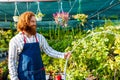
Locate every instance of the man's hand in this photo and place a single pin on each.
(67, 55)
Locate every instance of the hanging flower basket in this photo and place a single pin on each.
(39, 16)
(16, 13)
(15, 18)
(61, 18)
(81, 17)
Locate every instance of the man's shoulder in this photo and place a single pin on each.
(16, 37)
(39, 35)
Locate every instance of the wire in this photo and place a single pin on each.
(69, 2)
(72, 6)
(38, 7)
(16, 9)
(79, 8)
(107, 2)
(112, 2)
(27, 5)
(60, 6)
(104, 10)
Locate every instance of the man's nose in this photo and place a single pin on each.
(34, 23)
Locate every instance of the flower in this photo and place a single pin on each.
(81, 17)
(61, 18)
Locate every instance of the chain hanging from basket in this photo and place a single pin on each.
(80, 17)
(27, 5)
(16, 13)
(39, 14)
(61, 18)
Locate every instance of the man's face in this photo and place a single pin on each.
(33, 22)
(31, 29)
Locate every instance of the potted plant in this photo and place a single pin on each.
(81, 17)
(61, 18)
(15, 18)
(39, 16)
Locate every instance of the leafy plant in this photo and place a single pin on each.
(61, 18)
(94, 55)
(5, 38)
(81, 17)
(3, 70)
(39, 14)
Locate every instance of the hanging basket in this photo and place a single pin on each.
(16, 12)
(82, 18)
(61, 18)
(15, 18)
(39, 16)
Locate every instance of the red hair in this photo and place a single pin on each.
(24, 20)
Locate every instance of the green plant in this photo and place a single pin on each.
(4, 70)
(97, 53)
(81, 17)
(94, 55)
(61, 18)
(39, 14)
(5, 38)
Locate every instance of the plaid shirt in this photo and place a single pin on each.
(16, 46)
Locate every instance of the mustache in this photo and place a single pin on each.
(33, 25)
(31, 29)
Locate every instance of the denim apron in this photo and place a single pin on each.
(30, 65)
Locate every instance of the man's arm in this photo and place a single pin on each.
(49, 50)
(12, 60)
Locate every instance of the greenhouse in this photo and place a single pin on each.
(86, 33)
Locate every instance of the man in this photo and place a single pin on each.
(24, 60)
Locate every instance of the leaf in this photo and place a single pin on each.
(117, 51)
(117, 58)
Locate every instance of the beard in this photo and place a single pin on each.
(31, 29)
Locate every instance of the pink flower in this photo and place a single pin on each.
(61, 18)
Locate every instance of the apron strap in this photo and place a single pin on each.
(36, 38)
(42, 68)
(25, 38)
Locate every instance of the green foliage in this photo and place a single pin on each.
(95, 52)
(3, 69)
(5, 38)
(95, 55)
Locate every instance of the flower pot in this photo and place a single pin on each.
(15, 18)
(47, 76)
(58, 77)
(39, 18)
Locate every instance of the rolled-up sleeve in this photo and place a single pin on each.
(12, 60)
(49, 50)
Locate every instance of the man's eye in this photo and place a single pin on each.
(32, 21)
